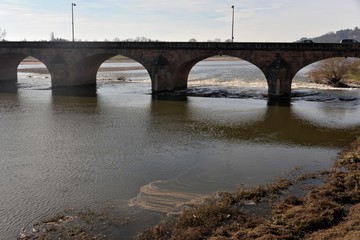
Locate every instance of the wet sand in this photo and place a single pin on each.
(102, 69)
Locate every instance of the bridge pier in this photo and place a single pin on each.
(279, 85)
(279, 78)
(165, 76)
(8, 66)
(161, 79)
(74, 70)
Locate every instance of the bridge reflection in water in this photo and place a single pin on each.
(280, 123)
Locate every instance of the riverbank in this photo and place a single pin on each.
(318, 205)
(328, 211)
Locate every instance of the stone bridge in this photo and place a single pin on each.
(168, 63)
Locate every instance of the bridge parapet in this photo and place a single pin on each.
(279, 46)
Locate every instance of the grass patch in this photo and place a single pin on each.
(354, 73)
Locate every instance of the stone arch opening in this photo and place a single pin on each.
(107, 67)
(120, 68)
(33, 73)
(305, 78)
(226, 76)
(10, 64)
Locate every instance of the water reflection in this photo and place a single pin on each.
(289, 124)
(75, 104)
(9, 101)
(330, 114)
(83, 91)
(167, 97)
(8, 87)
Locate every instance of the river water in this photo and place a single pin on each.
(140, 157)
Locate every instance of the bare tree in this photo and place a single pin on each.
(332, 71)
(56, 39)
(143, 39)
(52, 36)
(2, 34)
(215, 40)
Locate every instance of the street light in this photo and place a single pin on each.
(232, 26)
(72, 17)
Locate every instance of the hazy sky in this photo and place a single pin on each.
(177, 20)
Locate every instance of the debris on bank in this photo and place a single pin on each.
(77, 225)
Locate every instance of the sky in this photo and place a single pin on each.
(177, 20)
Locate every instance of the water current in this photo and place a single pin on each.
(144, 157)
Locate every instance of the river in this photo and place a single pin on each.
(140, 157)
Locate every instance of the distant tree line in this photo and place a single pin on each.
(2, 34)
(116, 39)
(137, 39)
(54, 39)
(335, 37)
(331, 37)
(215, 40)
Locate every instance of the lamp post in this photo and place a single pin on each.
(232, 26)
(72, 18)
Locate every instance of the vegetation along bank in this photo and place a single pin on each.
(329, 210)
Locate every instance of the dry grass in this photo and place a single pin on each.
(76, 225)
(329, 211)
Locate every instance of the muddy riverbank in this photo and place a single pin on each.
(327, 211)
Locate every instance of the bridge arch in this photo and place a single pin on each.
(181, 74)
(85, 70)
(118, 67)
(10, 62)
(227, 72)
(34, 69)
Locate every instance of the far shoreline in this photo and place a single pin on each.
(120, 59)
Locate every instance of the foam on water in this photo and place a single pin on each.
(159, 196)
